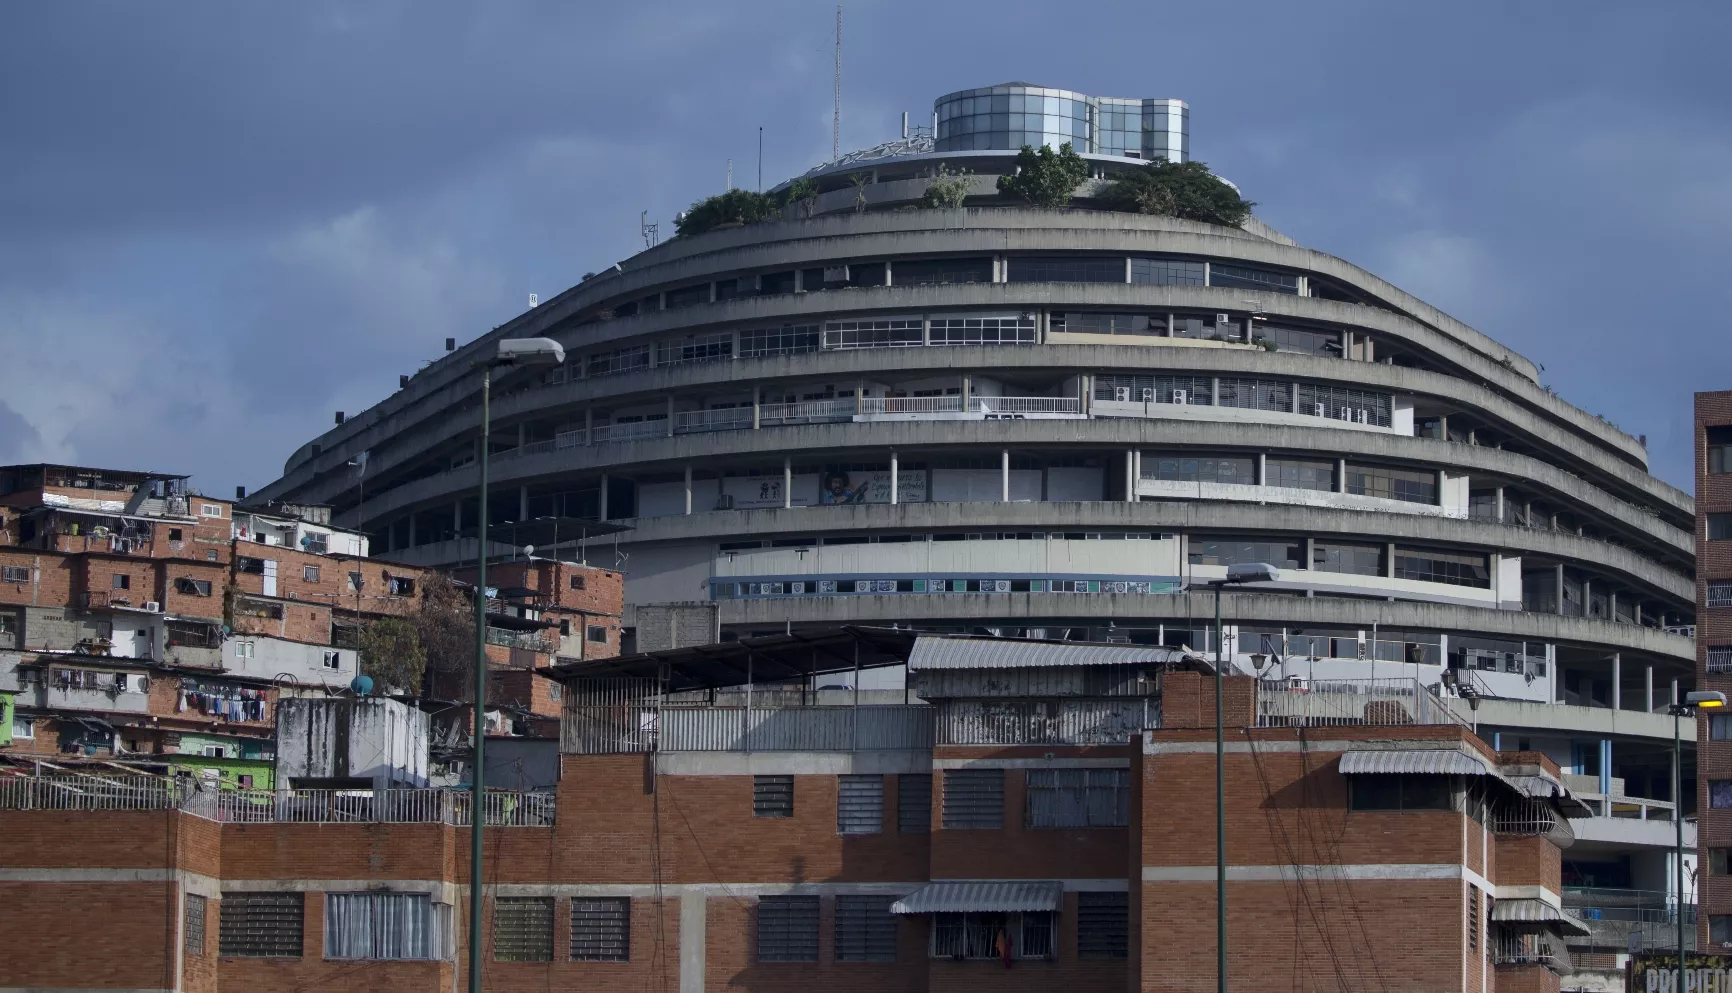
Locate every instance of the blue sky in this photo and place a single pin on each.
(221, 222)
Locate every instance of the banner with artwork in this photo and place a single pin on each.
(837, 486)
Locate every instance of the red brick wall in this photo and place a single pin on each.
(1713, 627)
(654, 962)
(190, 604)
(731, 945)
(301, 621)
(1019, 851)
(130, 946)
(1188, 701)
(51, 577)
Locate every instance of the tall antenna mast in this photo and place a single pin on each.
(836, 118)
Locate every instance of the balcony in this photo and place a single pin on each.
(1345, 702)
(1511, 948)
(528, 641)
(973, 408)
(628, 716)
(412, 806)
(1612, 915)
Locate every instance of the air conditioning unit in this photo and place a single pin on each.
(1180, 398)
(1122, 394)
(1364, 417)
(153, 606)
(1319, 410)
(835, 274)
(1148, 396)
(1222, 319)
(725, 501)
(1346, 414)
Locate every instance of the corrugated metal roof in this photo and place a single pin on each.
(1432, 761)
(968, 896)
(1537, 912)
(1003, 653)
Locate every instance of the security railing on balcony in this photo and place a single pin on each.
(630, 431)
(1026, 405)
(409, 806)
(1052, 721)
(1611, 915)
(806, 412)
(623, 716)
(1514, 948)
(987, 405)
(911, 405)
(528, 641)
(1324, 703)
(1528, 817)
(725, 419)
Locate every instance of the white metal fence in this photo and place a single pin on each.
(120, 792)
(1324, 703)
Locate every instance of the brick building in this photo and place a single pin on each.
(1713, 435)
(1044, 820)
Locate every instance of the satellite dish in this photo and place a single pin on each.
(528, 550)
(362, 684)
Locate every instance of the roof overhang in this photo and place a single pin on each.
(1529, 911)
(983, 895)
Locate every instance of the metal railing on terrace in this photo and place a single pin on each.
(1335, 702)
(806, 412)
(629, 431)
(405, 806)
(1611, 915)
(637, 727)
(972, 405)
(527, 641)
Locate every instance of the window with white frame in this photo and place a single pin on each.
(1078, 798)
(210, 510)
(244, 649)
(333, 659)
(23, 727)
(386, 926)
(1029, 935)
(310, 573)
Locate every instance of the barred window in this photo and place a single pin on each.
(1103, 925)
(1065, 269)
(1720, 658)
(1300, 474)
(1342, 404)
(383, 925)
(1406, 485)
(1078, 798)
(973, 799)
(1433, 566)
(1248, 278)
(1201, 470)
(914, 803)
(1095, 322)
(1720, 593)
(1166, 272)
(975, 936)
(1472, 917)
(698, 348)
(523, 929)
(260, 925)
(865, 928)
(773, 796)
(789, 339)
(619, 360)
(787, 929)
(601, 929)
(926, 272)
(194, 924)
(860, 804)
(1232, 551)
(1257, 394)
(895, 332)
(15, 574)
(983, 331)
(1357, 560)
(1155, 389)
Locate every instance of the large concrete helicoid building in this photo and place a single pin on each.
(1063, 424)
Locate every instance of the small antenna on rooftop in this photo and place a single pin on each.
(730, 174)
(648, 230)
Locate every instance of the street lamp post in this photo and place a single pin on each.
(510, 352)
(1237, 575)
(1704, 700)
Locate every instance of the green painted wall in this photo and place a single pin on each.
(6, 711)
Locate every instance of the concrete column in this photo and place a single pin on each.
(1560, 582)
(799, 281)
(670, 415)
(1606, 767)
(1389, 560)
(1293, 402)
(1617, 681)
(1215, 390)
(1587, 597)
(1443, 427)
(1500, 505)
(457, 517)
(412, 515)
(734, 347)
(523, 503)
(1130, 483)
(1136, 469)
(1370, 353)
(1169, 324)
(1442, 479)
(1085, 386)
(1262, 468)
(1346, 344)
(1310, 553)
(1612, 606)
(694, 918)
(757, 407)
(967, 389)
(1127, 269)
(688, 487)
(602, 500)
(1004, 475)
(860, 398)
(893, 479)
(522, 433)
(926, 329)
(1675, 696)
(787, 482)
(1341, 475)
(1648, 689)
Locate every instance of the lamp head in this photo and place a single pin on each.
(529, 351)
(1252, 572)
(1705, 699)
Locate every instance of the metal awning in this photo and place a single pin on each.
(1536, 912)
(972, 895)
(1544, 788)
(935, 652)
(1424, 761)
